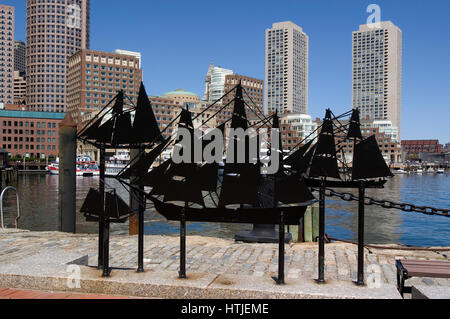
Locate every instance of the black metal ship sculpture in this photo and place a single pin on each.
(197, 191)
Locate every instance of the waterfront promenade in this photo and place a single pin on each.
(216, 268)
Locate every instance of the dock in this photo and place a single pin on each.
(216, 268)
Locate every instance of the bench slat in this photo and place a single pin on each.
(426, 262)
(427, 268)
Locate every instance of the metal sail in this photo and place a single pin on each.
(145, 126)
(239, 119)
(295, 159)
(122, 130)
(292, 189)
(143, 164)
(115, 207)
(289, 189)
(91, 205)
(91, 133)
(324, 163)
(368, 161)
(179, 180)
(208, 173)
(115, 130)
(306, 160)
(354, 130)
(155, 177)
(241, 180)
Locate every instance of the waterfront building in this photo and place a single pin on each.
(447, 148)
(95, 77)
(415, 147)
(214, 83)
(30, 134)
(55, 31)
(388, 129)
(295, 129)
(391, 150)
(19, 88)
(287, 68)
(20, 58)
(137, 55)
(377, 72)
(6, 54)
(254, 96)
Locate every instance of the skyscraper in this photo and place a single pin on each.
(214, 83)
(55, 31)
(6, 54)
(377, 72)
(19, 58)
(287, 67)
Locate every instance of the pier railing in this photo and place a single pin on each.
(1, 205)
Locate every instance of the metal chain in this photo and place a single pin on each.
(369, 201)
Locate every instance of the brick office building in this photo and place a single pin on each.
(29, 134)
(95, 77)
(253, 95)
(421, 146)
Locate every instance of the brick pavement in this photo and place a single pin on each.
(219, 256)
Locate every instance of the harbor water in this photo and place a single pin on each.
(39, 212)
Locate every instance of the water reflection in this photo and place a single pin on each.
(39, 209)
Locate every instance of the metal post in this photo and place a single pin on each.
(360, 281)
(141, 233)
(101, 222)
(281, 244)
(182, 273)
(321, 278)
(106, 269)
(67, 175)
(133, 226)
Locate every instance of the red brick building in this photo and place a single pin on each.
(30, 134)
(421, 146)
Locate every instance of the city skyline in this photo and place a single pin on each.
(186, 52)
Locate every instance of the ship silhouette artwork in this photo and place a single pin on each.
(194, 190)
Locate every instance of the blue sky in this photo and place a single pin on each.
(179, 39)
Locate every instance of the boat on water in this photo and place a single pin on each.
(431, 171)
(419, 171)
(440, 171)
(117, 163)
(85, 167)
(400, 172)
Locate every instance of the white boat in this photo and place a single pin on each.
(431, 171)
(84, 167)
(419, 171)
(117, 163)
(400, 172)
(440, 171)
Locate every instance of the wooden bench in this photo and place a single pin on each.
(420, 268)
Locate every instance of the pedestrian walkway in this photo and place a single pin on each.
(26, 259)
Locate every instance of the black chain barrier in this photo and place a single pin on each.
(369, 201)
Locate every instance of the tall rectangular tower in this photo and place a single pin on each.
(7, 54)
(377, 72)
(20, 58)
(287, 67)
(55, 31)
